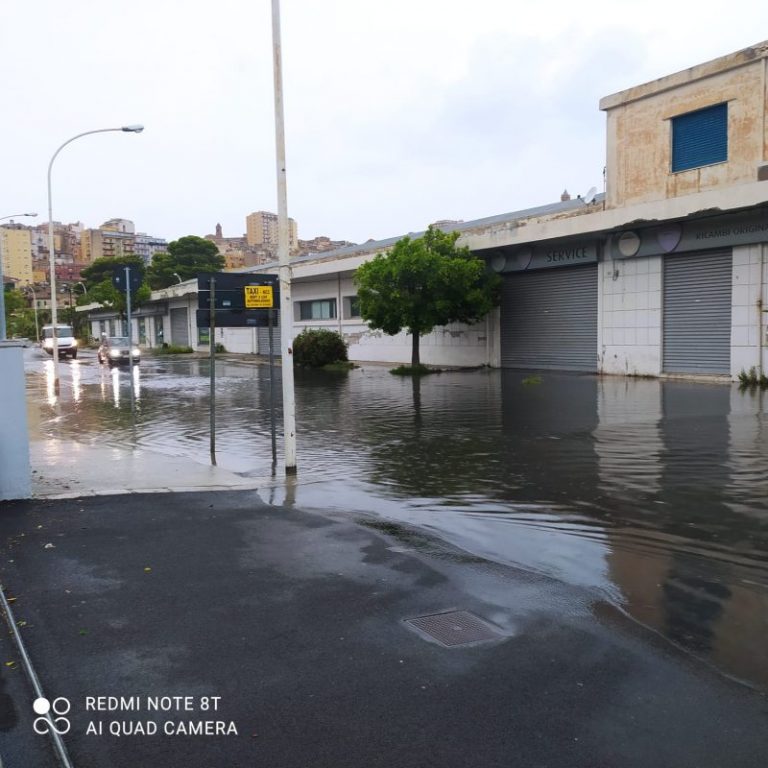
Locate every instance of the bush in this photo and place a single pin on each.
(316, 348)
(173, 349)
(219, 347)
(413, 370)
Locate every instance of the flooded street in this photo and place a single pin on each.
(650, 494)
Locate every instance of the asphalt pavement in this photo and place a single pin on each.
(250, 635)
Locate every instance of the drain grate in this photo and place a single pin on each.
(455, 628)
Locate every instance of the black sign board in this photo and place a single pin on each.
(236, 281)
(134, 279)
(240, 300)
(236, 318)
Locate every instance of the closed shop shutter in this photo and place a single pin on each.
(549, 319)
(179, 327)
(697, 312)
(263, 338)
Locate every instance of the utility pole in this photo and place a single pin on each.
(286, 309)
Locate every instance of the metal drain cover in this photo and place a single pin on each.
(454, 628)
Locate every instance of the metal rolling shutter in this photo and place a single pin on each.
(549, 319)
(262, 338)
(179, 327)
(697, 312)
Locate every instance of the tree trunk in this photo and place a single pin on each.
(415, 349)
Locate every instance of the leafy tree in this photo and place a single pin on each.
(19, 318)
(423, 283)
(185, 257)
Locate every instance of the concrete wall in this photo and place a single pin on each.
(15, 477)
(455, 344)
(629, 316)
(639, 130)
(749, 324)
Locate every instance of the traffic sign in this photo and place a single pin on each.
(134, 278)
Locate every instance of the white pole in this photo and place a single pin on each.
(286, 307)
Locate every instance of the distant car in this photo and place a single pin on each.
(115, 350)
(65, 340)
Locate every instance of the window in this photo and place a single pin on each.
(158, 330)
(322, 309)
(700, 138)
(203, 335)
(351, 306)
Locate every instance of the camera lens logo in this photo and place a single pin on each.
(47, 722)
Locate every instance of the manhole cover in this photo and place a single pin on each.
(455, 628)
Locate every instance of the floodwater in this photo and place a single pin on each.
(651, 494)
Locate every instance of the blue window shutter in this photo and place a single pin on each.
(700, 138)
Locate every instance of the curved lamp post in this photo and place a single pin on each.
(2, 277)
(51, 253)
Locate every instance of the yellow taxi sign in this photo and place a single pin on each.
(258, 297)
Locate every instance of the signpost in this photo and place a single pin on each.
(127, 279)
(236, 300)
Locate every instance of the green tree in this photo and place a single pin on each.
(423, 283)
(98, 280)
(19, 318)
(185, 257)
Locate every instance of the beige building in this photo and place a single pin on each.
(16, 250)
(261, 229)
(654, 131)
(104, 243)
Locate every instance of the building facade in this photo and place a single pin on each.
(261, 230)
(16, 253)
(663, 274)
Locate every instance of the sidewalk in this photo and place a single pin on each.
(297, 622)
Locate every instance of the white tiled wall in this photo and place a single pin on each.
(629, 310)
(746, 319)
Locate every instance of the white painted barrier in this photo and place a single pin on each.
(15, 476)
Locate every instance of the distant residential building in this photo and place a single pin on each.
(16, 250)
(237, 252)
(262, 230)
(147, 246)
(106, 244)
(125, 226)
(66, 241)
(321, 244)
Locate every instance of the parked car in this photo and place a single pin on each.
(65, 337)
(115, 350)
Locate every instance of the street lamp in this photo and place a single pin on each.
(72, 313)
(2, 277)
(177, 276)
(51, 253)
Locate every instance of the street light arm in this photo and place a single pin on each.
(51, 250)
(16, 215)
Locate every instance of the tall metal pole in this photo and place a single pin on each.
(212, 345)
(130, 334)
(286, 309)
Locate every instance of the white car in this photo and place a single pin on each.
(67, 342)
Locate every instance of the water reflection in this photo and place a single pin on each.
(651, 494)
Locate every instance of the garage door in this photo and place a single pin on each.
(179, 327)
(697, 312)
(549, 319)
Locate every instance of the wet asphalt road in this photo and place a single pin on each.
(296, 621)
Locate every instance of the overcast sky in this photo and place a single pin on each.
(398, 113)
